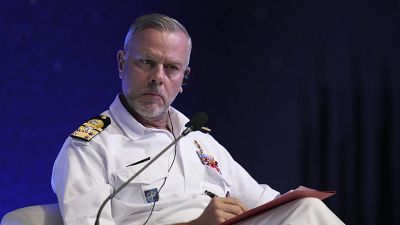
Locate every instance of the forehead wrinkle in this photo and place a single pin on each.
(157, 54)
(155, 51)
(131, 35)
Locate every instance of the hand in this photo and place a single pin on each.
(219, 210)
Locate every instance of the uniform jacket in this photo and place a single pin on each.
(86, 172)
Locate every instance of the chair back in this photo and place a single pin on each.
(48, 214)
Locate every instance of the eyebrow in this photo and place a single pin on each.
(168, 61)
(141, 55)
(176, 63)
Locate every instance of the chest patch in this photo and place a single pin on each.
(206, 159)
(151, 195)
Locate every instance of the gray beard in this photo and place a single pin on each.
(146, 111)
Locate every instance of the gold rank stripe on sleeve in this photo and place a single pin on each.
(92, 128)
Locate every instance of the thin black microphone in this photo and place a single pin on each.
(197, 122)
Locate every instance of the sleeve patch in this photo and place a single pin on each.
(92, 128)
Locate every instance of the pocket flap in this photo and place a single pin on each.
(151, 174)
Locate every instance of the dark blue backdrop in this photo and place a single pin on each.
(300, 92)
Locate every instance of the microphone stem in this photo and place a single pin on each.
(184, 133)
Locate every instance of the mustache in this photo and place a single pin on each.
(154, 89)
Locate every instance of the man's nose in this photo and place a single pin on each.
(157, 74)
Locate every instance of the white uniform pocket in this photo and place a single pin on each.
(134, 193)
(215, 182)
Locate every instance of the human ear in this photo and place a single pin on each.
(121, 61)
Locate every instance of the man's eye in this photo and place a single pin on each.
(146, 61)
(171, 67)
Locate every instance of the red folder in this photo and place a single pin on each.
(300, 192)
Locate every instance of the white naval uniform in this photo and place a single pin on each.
(85, 173)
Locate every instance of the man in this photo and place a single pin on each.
(179, 187)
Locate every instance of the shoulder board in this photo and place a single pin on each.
(91, 128)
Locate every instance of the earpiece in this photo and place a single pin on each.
(185, 80)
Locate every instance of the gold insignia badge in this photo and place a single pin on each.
(92, 128)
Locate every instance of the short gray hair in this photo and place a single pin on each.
(156, 21)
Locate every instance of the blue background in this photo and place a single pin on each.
(300, 92)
